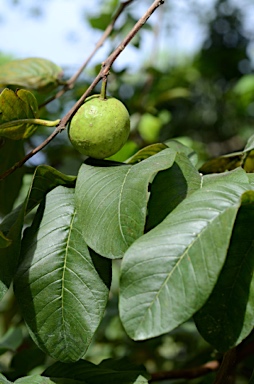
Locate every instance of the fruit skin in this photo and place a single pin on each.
(100, 127)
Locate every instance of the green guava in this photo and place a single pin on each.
(100, 127)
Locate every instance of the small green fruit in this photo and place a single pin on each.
(100, 127)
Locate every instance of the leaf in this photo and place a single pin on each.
(228, 315)
(146, 152)
(15, 106)
(237, 175)
(108, 371)
(170, 187)
(32, 73)
(181, 148)
(112, 202)
(44, 179)
(3, 380)
(58, 284)
(168, 274)
(10, 153)
(252, 379)
(34, 379)
(4, 241)
(11, 340)
(244, 159)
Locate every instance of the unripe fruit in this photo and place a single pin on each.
(100, 127)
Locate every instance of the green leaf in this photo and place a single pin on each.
(237, 175)
(13, 107)
(170, 187)
(58, 284)
(252, 379)
(113, 202)
(181, 148)
(44, 179)
(3, 380)
(168, 274)
(146, 152)
(4, 241)
(11, 340)
(34, 379)
(10, 153)
(228, 315)
(108, 371)
(32, 73)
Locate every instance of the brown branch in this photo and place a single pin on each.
(70, 83)
(103, 72)
(227, 368)
(190, 373)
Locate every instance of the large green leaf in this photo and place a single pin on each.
(228, 315)
(170, 187)
(3, 380)
(15, 106)
(35, 379)
(32, 73)
(10, 152)
(113, 202)
(108, 371)
(60, 287)
(168, 274)
(44, 179)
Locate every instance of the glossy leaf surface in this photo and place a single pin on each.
(61, 289)
(113, 202)
(168, 274)
(228, 315)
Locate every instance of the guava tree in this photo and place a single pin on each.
(183, 234)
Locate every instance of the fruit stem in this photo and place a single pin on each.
(103, 94)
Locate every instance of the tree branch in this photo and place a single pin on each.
(70, 83)
(106, 65)
(190, 373)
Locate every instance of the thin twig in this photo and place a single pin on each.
(227, 368)
(103, 72)
(190, 373)
(70, 83)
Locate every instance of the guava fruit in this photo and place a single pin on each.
(100, 127)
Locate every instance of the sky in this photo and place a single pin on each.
(62, 35)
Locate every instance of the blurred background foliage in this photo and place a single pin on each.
(205, 100)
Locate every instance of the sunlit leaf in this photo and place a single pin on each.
(15, 106)
(60, 287)
(228, 315)
(3, 380)
(32, 73)
(146, 152)
(112, 202)
(168, 274)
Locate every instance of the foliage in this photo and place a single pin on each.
(118, 270)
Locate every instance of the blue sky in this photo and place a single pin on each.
(63, 36)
